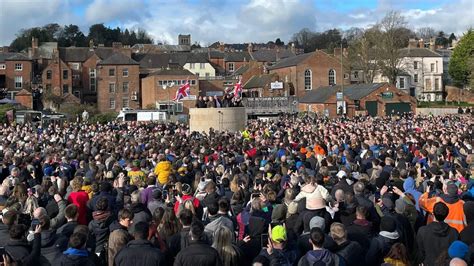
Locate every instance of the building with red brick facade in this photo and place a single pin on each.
(376, 99)
(309, 71)
(16, 73)
(57, 77)
(118, 83)
(159, 88)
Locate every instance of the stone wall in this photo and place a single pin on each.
(231, 119)
(437, 111)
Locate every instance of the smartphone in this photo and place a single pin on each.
(264, 240)
(2, 252)
(377, 195)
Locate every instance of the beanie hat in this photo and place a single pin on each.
(387, 224)
(458, 249)
(318, 222)
(400, 206)
(469, 211)
(279, 234)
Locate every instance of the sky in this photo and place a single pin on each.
(231, 21)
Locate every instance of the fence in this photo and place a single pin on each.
(270, 105)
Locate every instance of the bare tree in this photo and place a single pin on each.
(390, 43)
(425, 33)
(363, 55)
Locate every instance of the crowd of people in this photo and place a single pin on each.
(290, 191)
(228, 100)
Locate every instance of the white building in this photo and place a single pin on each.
(199, 65)
(422, 74)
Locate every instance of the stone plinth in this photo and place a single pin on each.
(231, 119)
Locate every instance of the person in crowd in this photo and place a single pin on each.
(198, 252)
(76, 254)
(434, 238)
(139, 251)
(99, 226)
(119, 235)
(318, 255)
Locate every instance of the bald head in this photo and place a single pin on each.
(457, 262)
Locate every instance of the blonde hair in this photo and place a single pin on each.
(223, 244)
(76, 184)
(338, 233)
(31, 205)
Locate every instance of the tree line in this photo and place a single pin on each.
(71, 35)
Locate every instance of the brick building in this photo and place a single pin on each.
(308, 71)
(157, 91)
(376, 99)
(57, 77)
(118, 83)
(18, 73)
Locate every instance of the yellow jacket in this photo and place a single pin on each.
(88, 190)
(162, 172)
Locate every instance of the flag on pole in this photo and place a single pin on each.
(182, 92)
(238, 88)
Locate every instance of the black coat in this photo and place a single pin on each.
(351, 252)
(4, 235)
(379, 248)
(467, 234)
(198, 253)
(99, 230)
(48, 245)
(24, 254)
(139, 252)
(433, 239)
(75, 260)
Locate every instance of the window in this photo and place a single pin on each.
(92, 84)
(191, 65)
(125, 103)
(18, 67)
(111, 72)
(428, 84)
(179, 107)
(125, 87)
(112, 103)
(356, 74)
(432, 67)
(65, 74)
(415, 78)
(231, 67)
(65, 88)
(436, 84)
(18, 82)
(415, 65)
(92, 73)
(192, 82)
(111, 87)
(75, 76)
(49, 74)
(207, 75)
(160, 82)
(202, 65)
(77, 94)
(307, 79)
(3, 66)
(125, 72)
(401, 84)
(332, 77)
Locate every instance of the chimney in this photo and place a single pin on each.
(91, 45)
(34, 43)
(221, 46)
(421, 43)
(293, 48)
(337, 52)
(55, 55)
(412, 43)
(250, 48)
(432, 44)
(277, 55)
(117, 46)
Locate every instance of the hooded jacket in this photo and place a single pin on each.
(322, 255)
(409, 187)
(216, 222)
(163, 171)
(139, 252)
(75, 257)
(99, 228)
(433, 239)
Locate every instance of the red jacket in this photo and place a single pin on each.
(80, 199)
(196, 203)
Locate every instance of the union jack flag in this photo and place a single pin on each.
(238, 88)
(182, 92)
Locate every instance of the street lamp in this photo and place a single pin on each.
(168, 87)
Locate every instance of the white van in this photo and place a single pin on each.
(141, 115)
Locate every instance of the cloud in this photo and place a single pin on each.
(230, 21)
(115, 10)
